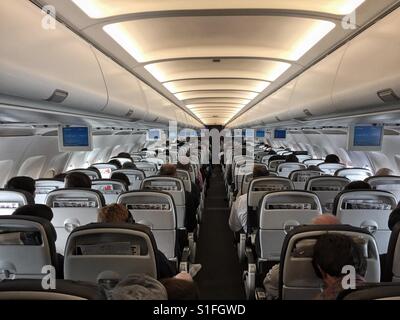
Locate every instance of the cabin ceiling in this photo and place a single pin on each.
(215, 58)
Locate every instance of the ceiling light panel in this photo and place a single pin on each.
(277, 37)
(216, 94)
(107, 8)
(217, 100)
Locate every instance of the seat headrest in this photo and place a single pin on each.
(86, 197)
(15, 198)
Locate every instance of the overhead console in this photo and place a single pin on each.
(56, 67)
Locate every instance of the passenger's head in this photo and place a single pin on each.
(116, 163)
(77, 180)
(22, 183)
(384, 172)
(139, 287)
(292, 158)
(124, 155)
(35, 210)
(60, 176)
(314, 168)
(260, 171)
(129, 165)
(332, 158)
(168, 170)
(325, 219)
(358, 185)
(113, 213)
(394, 218)
(334, 251)
(180, 289)
(121, 177)
(183, 166)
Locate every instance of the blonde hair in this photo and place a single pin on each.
(113, 213)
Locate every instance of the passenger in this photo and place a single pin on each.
(292, 159)
(118, 213)
(192, 201)
(332, 252)
(394, 218)
(129, 165)
(358, 185)
(314, 168)
(121, 177)
(125, 155)
(77, 180)
(271, 281)
(332, 158)
(116, 163)
(238, 215)
(181, 287)
(60, 176)
(23, 183)
(35, 210)
(384, 172)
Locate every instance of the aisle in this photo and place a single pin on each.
(221, 275)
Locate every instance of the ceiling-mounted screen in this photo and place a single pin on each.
(365, 137)
(260, 134)
(154, 135)
(74, 138)
(279, 134)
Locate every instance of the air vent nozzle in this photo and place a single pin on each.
(388, 95)
(58, 96)
(307, 113)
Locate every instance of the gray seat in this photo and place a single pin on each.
(297, 279)
(105, 169)
(121, 248)
(72, 208)
(368, 209)
(388, 183)
(331, 168)
(392, 265)
(27, 244)
(135, 177)
(274, 164)
(92, 174)
(381, 291)
(44, 186)
(149, 169)
(10, 200)
(327, 188)
(280, 212)
(121, 160)
(303, 157)
(157, 211)
(354, 174)
(300, 177)
(313, 162)
(185, 177)
(110, 189)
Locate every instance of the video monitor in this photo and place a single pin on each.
(74, 138)
(279, 134)
(365, 137)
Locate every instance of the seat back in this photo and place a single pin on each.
(172, 186)
(265, 158)
(327, 188)
(274, 164)
(72, 208)
(392, 271)
(381, 291)
(280, 212)
(135, 177)
(105, 169)
(185, 177)
(313, 162)
(285, 169)
(10, 200)
(122, 248)
(246, 182)
(300, 177)
(26, 246)
(388, 183)
(32, 289)
(149, 169)
(44, 186)
(331, 168)
(354, 174)
(110, 189)
(157, 161)
(303, 157)
(157, 211)
(92, 174)
(297, 278)
(367, 209)
(121, 160)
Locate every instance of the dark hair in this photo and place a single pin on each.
(60, 176)
(77, 180)
(116, 163)
(121, 177)
(129, 165)
(334, 251)
(314, 168)
(358, 185)
(394, 218)
(292, 158)
(22, 183)
(168, 170)
(182, 166)
(125, 155)
(35, 210)
(179, 289)
(260, 171)
(332, 158)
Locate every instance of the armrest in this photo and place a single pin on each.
(260, 294)
(184, 264)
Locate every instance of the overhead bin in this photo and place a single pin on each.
(125, 95)
(47, 64)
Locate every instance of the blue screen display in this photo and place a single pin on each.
(76, 136)
(154, 134)
(280, 134)
(260, 134)
(368, 136)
